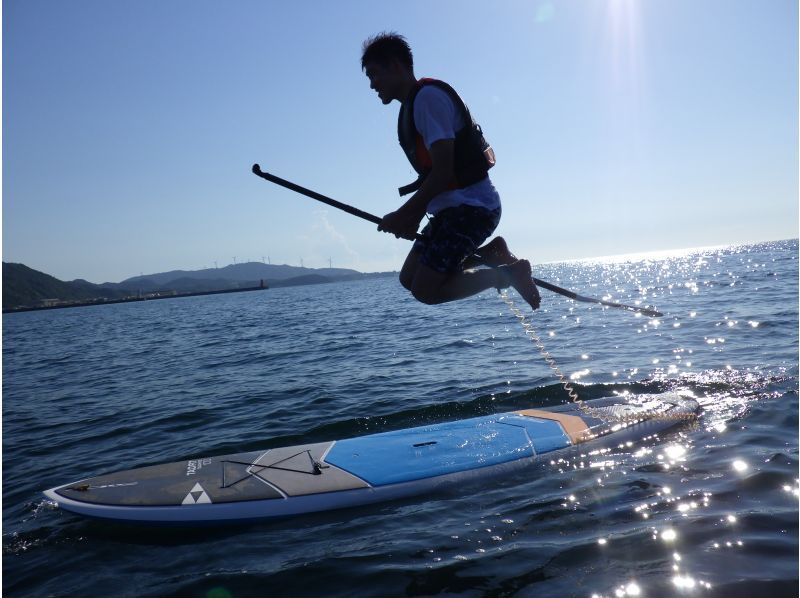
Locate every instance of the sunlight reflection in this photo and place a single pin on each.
(579, 374)
(683, 582)
(632, 589)
(675, 451)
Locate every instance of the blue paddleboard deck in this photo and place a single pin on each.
(323, 476)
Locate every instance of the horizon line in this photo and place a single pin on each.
(619, 257)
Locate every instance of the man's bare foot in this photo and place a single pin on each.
(518, 275)
(495, 253)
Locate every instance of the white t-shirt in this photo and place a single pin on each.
(437, 117)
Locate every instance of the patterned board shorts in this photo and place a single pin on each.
(454, 234)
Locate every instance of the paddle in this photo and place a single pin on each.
(375, 220)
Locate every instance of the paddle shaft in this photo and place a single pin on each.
(375, 220)
(314, 195)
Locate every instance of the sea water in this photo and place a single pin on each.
(710, 508)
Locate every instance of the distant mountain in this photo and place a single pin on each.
(303, 280)
(25, 286)
(245, 272)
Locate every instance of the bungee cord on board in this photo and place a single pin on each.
(614, 417)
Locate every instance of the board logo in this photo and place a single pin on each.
(196, 496)
(195, 464)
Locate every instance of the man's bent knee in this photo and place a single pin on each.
(406, 279)
(426, 295)
(426, 284)
(409, 270)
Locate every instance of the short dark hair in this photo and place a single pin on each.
(385, 48)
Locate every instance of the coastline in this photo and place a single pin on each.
(148, 297)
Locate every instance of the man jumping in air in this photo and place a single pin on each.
(448, 151)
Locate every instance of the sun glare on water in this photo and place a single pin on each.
(644, 256)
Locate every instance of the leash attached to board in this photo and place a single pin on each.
(375, 220)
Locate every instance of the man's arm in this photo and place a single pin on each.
(405, 221)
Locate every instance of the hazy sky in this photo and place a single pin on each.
(129, 127)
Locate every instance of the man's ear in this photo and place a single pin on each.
(397, 67)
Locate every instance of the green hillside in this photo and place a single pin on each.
(24, 286)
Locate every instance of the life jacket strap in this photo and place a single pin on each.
(412, 187)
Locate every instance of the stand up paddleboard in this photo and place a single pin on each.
(308, 478)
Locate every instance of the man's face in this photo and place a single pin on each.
(385, 79)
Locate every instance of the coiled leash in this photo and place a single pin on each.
(603, 415)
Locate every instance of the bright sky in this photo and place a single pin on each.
(620, 126)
